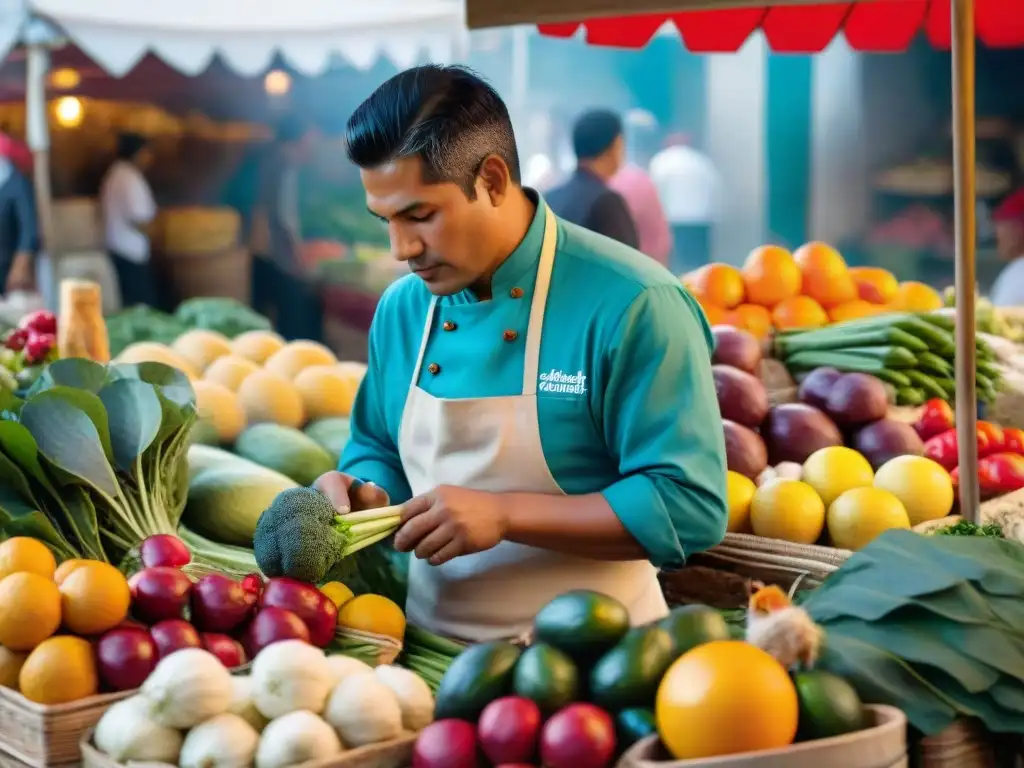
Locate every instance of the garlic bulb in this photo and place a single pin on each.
(295, 738)
(364, 711)
(242, 703)
(186, 688)
(224, 741)
(343, 666)
(126, 733)
(413, 695)
(288, 676)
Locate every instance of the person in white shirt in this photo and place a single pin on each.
(1008, 289)
(128, 210)
(690, 188)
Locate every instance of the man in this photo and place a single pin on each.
(634, 184)
(554, 425)
(1008, 289)
(586, 199)
(128, 210)
(689, 187)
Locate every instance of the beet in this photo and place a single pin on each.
(855, 399)
(793, 431)
(271, 625)
(736, 348)
(173, 635)
(815, 387)
(745, 451)
(160, 593)
(886, 439)
(741, 397)
(125, 656)
(579, 736)
(225, 648)
(220, 604)
(446, 744)
(508, 729)
(312, 606)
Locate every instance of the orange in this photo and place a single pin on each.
(770, 275)
(825, 276)
(11, 663)
(26, 554)
(799, 312)
(715, 315)
(852, 310)
(752, 318)
(68, 567)
(60, 670)
(374, 614)
(29, 610)
(94, 598)
(874, 284)
(718, 284)
(912, 296)
(724, 698)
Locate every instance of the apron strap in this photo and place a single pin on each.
(423, 343)
(534, 331)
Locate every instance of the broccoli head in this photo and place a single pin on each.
(302, 536)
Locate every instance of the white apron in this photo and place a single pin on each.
(493, 444)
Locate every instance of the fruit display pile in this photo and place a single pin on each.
(809, 288)
(589, 686)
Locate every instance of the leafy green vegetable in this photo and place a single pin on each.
(968, 528)
(142, 323)
(933, 625)
(93, 459)
(226, 316)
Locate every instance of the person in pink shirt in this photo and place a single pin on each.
(635, 186)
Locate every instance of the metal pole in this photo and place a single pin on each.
(964, 167)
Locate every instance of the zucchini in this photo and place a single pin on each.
(987, 369)
(949, 387)
(926, 383)
(896, 378)
(828, 339)
(945, 322)
(842, 361)
(981, 381)
(893, 357)
(909, 396)
(935, 338)
(932, 364)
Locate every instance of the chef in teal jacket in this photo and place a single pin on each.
(539, 398)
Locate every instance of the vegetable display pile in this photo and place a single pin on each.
(93, 458)
(912, 352)
(27, 348)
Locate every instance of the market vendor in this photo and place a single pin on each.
(554, 425)
(1008, 290)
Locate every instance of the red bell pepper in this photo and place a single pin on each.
(1000, 473)
(1013, 440)
(936, 417)
(943, 448)
(996, 442)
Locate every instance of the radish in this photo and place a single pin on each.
(578, 736)
(39, 322)
(38, 346)
(16, 339)
(225, 648)
(164, 550)
(316, 610)
(446, 744)
(508, 729)
(125, 657)
(161, 593)
(173, 635)
(271, 625)
(253, 583)
(220, 604)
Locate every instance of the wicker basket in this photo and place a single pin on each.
(387, 648)
(37, 735)
(884, 745)
(964, 744)
(388, 754)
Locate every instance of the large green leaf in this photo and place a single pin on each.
(87, 403)
(135, 415)
(68, 438)
(75, 372)
(12, 477)
(172, 383)
(20, 518)
(976, 705)
(849, 599)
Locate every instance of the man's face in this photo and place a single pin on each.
(618, 152)
(435, 228)
(144, 158)
(1009, 239)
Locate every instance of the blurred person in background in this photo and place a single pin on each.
(638, 190)
(689, 186)
(1008, 289)
(586, 199)
(128, 209)
(19, 229)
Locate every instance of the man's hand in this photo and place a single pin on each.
(347, 494)
(20, 277)
(449, 522)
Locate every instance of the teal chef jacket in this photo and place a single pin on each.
(626, 400)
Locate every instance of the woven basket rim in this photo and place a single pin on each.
(813, 552)
(44, 710)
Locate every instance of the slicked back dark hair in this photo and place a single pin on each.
(446, 115)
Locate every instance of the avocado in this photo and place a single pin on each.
(629, 674)
(547, 677)
(476, 677)
(582, 624)
(632, 725)
(829, 706)
(693, 625)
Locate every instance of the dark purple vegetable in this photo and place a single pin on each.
(737, 348)
(741, 397)
(744, 450)
(815, 387)
(793, 431)
(857, 398)
(886, 439)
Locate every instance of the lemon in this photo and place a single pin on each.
(835, 470)
(787, 509)
(374, 614)
(924, 487)
(337, 593)
(861, 514)
(740, 491)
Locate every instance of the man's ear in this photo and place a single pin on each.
(494, 179)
